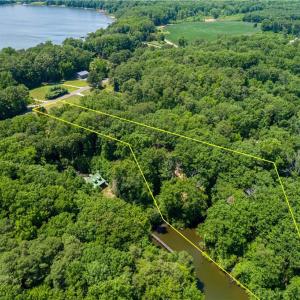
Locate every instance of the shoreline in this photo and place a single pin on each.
(102, 11)
(101, 15)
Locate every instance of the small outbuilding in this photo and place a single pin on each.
(96, 180)
(82, 74)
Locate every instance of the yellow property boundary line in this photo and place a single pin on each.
(148, 187)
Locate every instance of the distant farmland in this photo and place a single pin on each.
(192, 31)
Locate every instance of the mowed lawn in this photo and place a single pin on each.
(73, 99)
(192, 31)
(71, 85)
(76, 82)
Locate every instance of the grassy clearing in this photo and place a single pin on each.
(237, 17)
(38, 3)
(192, 31)
(109, 88)
(40, 92)
(154, 44)
(74, 99)
(76, 82)
(86, 93)
(71, 85)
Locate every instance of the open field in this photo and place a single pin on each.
(208, 31)
(76, 82)
(86, 93)
(237, 17)
(38, 3)
(71, 85)
(73, 100)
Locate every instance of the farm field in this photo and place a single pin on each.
(192, 31)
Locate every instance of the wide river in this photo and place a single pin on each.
(26, 26)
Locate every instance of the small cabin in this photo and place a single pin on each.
(82, 75)
(96, 180)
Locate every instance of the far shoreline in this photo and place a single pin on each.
(102, 11)
(99, 14)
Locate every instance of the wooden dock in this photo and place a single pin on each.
(157, 239)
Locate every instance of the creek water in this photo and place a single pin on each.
(213, 282)
(24, 26)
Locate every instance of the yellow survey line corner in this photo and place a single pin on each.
(148, 186)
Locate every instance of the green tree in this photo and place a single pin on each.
(6, 80)
(182, 42)
(67, 69)
(153, 281)
(98, 71)
(182, 202)
(293, 289)
(13, 100)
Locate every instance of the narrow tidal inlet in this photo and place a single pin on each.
(215, 284)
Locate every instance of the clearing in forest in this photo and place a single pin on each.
(241, 158)
(39, 93)
(192, 31)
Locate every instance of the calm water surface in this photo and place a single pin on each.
(215, 284)
(26, 26)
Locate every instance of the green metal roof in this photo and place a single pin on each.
(96, 179)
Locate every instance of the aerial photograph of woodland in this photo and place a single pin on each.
(150, 149)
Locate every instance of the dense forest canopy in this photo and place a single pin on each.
(62, 239)
(7, 2)
(278, 17)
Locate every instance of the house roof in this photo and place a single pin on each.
(96, 179)
(82, 73)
